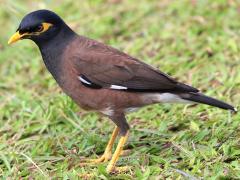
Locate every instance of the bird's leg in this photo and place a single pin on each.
(119, 119)
(111, 166)
(108, 150)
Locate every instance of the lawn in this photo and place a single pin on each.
(44, 135)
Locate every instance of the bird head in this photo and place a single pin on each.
(39, 26)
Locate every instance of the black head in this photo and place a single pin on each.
(39, 26)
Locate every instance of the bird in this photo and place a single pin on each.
(101, 78)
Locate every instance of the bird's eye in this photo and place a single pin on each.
(39, 28)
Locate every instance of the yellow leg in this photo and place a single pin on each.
(108, 150)
(117, 153)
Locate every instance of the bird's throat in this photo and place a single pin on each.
(52, 52)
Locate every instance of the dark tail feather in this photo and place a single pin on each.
(201, 98)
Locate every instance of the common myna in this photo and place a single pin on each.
(101, 78)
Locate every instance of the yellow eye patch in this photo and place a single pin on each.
(45, 26)
(42, 28)
(17, 36)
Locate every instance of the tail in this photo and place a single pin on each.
(201, 98)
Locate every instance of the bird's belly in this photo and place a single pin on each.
(103, 100)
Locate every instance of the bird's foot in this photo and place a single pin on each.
(104, 158)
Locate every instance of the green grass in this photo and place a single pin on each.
(44, 134)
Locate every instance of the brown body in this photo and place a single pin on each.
(85, 97)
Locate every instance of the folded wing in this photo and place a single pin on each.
(105, 67)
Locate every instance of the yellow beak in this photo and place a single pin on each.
(15, 37)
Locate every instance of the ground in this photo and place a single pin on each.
(44, 135)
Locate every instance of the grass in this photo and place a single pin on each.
(43, 134)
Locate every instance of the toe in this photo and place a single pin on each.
(104, 158)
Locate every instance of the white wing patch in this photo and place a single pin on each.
(117, 87)
(83, 80)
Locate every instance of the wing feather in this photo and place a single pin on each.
(105, 66)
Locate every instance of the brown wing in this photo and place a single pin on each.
(102, 66)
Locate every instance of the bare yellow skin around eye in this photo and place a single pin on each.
(17, 36)
(46, 26)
